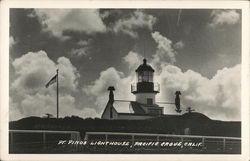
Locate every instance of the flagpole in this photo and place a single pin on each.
(57, 98)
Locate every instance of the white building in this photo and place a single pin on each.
(145, 91)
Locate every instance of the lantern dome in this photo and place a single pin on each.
(144, 67)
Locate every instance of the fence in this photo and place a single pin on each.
(33, 141)
(44, 141)
(167, 143)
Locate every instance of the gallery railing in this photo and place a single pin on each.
(145, 86)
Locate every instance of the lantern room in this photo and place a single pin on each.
(145, 72)
(145, 80)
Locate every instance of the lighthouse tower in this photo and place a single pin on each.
(145, 91)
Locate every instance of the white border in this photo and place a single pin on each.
(4, 71)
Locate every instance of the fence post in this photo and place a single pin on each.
(78, 136)
(224, 145)
(44, 142)
(106, 139)
(74, 137)
(182, 139)
(133, 141)
(86, 137)
(11, 138)
(158, 141)
(203, 143)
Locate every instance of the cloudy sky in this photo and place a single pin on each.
(195, 51)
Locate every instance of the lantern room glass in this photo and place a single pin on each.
(145, 76)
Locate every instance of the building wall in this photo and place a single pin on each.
(153, 110)
(142, 97)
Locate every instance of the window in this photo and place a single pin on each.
(145, 76)
(140, 78)
(150, 77)
(149, 101)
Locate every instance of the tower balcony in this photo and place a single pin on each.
(145, 87)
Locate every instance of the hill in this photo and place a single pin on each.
(197, 123)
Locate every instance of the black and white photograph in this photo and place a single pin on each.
(132, 80)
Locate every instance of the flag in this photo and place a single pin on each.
(53, 80)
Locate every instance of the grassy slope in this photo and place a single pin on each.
(198, 123)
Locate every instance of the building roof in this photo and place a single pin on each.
(107, 108)
(144, 67)
(137, 108)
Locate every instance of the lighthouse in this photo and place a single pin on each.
(145, 90)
